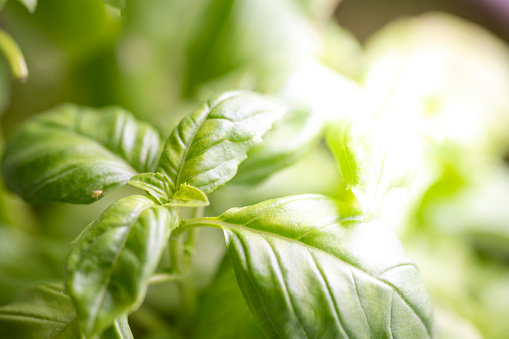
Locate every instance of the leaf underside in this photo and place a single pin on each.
(111, 261)
(206, 148)
(310, 268)
(76, 154)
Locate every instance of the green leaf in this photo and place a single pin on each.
(374, 157)
(291, 138)
(29, 4)
(157, 185)
(224, 291)
(189, 196)
(40, 312)
(109, 265)
(77, 154)
(310, 268)
(206, 148)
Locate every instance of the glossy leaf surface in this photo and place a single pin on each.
(283, 145)
(309, 267)
(76, 154)
(111, 261)
(206, 148)
(374, 157)
(41, 312)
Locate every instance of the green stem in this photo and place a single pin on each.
(181, 254)
(190, 243)
(14, 56)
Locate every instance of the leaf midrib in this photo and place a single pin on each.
(307, 246)
(187, 147)
(102, 292)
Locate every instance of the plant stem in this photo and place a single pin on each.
(190, 243)
(181, 254)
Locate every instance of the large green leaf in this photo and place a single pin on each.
(288, 141)
(111, 261)
(374, 157)
(210, 321)
(41, 312)
(309, 267)
(76, 154)
(206, 148)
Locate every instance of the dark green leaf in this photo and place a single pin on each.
(285, 143)
(41, 312)
(76, 154)
(309, 267)
(157, 185)
(111, 261)
(206, 148)
(224, 291)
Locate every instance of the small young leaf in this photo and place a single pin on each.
(109, 265)
(310, 268)
(157, 185)
(374, 157)
(77, 154)
(206, 148)
(189, 196)
(40, 312)
(285, 143)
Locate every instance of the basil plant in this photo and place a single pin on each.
(307, 266)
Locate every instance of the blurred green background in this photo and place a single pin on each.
(446, 77)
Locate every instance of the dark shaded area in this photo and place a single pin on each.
(375, 14)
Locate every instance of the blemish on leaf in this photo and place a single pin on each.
(97, 194)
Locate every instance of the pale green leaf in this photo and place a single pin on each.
(309, 267)
(111, 261)
(189, 196)
(77, 154)
(40, 312)
(29, 4)
(291, 138)
(210, 321)
(156, 184)
(206, 148)
(374, 157)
